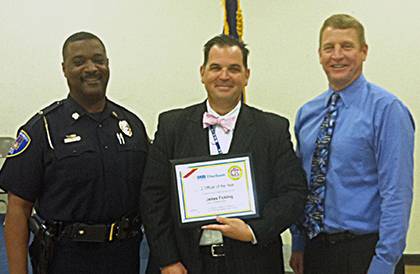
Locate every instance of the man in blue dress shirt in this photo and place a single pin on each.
(368, 181)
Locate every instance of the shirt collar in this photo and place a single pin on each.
(75, 111)
(348, 94)
(233, 113)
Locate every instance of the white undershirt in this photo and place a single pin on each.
(224, 138)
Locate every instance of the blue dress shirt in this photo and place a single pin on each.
(369, 183)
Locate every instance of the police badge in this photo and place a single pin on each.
(125, 128)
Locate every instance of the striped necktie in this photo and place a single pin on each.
(314, 208)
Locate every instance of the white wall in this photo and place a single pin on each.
(155, 50)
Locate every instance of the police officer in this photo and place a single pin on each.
(79, 164)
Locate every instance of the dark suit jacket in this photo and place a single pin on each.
(280, 187)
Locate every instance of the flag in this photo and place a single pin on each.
(233, 25)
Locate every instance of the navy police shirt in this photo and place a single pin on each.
(78, 166)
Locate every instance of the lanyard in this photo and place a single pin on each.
(216, 141)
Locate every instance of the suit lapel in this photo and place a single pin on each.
(244, 131)
(196, 144)
(197, 138)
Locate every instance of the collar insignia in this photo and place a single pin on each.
(75, 115)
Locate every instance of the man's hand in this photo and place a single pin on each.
(296, 262)
(233, 228)
(176, 268)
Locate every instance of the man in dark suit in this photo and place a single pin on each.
(223, 125)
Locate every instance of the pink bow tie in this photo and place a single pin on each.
(225, 123)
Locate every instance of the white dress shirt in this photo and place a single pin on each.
(224, 139)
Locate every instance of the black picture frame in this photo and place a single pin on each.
(204, 159)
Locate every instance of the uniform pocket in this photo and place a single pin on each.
(77, 164)
(132, 158)
(73, 151)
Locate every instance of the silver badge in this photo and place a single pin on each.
(75, 115)
(125, 128)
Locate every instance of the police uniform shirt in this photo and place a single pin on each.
(78, 166)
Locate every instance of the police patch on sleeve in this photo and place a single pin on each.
(20, 145)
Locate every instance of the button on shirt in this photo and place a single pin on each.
(369, 183)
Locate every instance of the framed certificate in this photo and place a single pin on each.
(208, 187)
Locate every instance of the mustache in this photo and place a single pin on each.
(92, 74)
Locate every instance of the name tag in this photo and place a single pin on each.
(72, 138)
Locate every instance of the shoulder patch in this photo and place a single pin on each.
(20, 145)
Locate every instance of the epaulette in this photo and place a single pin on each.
(43, 112)
(51, 107)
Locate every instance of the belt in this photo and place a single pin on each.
(334, 238)
(215, 250)
(124, 228)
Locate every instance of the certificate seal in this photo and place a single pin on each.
(235, 173)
